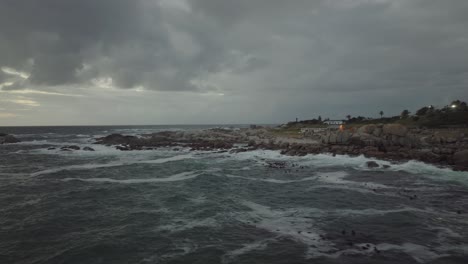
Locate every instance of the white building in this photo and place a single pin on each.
(334, 123)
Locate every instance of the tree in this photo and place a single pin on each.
(381, 114)
(348, 117)
(423, 111)
(405, 114)
(320, 118)
(463, 106)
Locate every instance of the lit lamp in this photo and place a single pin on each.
(454, 106)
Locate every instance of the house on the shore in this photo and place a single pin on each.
(334, 124)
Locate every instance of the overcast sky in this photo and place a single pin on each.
(93, 62)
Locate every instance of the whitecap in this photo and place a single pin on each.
(90, 166)
(357, 163)
(176, 177)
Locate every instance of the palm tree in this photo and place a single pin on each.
(381, 114)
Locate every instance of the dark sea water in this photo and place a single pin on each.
(178, 206)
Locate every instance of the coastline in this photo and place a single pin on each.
(393, 142)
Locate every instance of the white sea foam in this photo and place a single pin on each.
(124, 162)
(271, 180)
(180, 224)
(88, 166)
(294, 224)
(164, 160)
(357, 163)
(246, 248)
(338, 178)
(419, 253)
(176, 177)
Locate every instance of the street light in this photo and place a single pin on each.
(454, 106)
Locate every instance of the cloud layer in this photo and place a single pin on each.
(279, 59)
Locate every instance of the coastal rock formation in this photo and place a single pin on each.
(69, 148)
(115, 139)
(460, 160)
(372, 164)
(389, 142)
(8, 139)
(196, 140)
(395, 129)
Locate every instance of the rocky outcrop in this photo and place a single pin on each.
(388, 142)
(460, 160)
(8, 139)
(115, 139)
(210, 139)
(395, 130)
(372, 164)
(397, 142)
(70, 148)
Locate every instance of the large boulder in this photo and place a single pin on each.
(116, 139)
(377, 132)
(8, 139)
(367, 129)
(395, 130)
(343, 137)
(447, 136)
(460, 159)
(372, 164)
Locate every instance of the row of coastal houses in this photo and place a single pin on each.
(331, 125)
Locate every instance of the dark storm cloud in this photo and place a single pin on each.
(309, 47)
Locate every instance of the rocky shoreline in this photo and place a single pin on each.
(394, 142)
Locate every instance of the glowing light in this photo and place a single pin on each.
(454, 106)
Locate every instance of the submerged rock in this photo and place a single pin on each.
(88, 149)
(8, 139)
(372, 164)
(72, 147)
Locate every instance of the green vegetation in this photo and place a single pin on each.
(453, 115)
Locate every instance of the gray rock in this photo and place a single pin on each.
(460, 159)
(395, 129)
(377, 132)
(88, 149)
(72, 147)
(367, 129)
(8, 139)
(372, 164)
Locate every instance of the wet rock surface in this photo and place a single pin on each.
(8, 139)
(388, 142)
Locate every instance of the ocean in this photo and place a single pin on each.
(173, 205)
